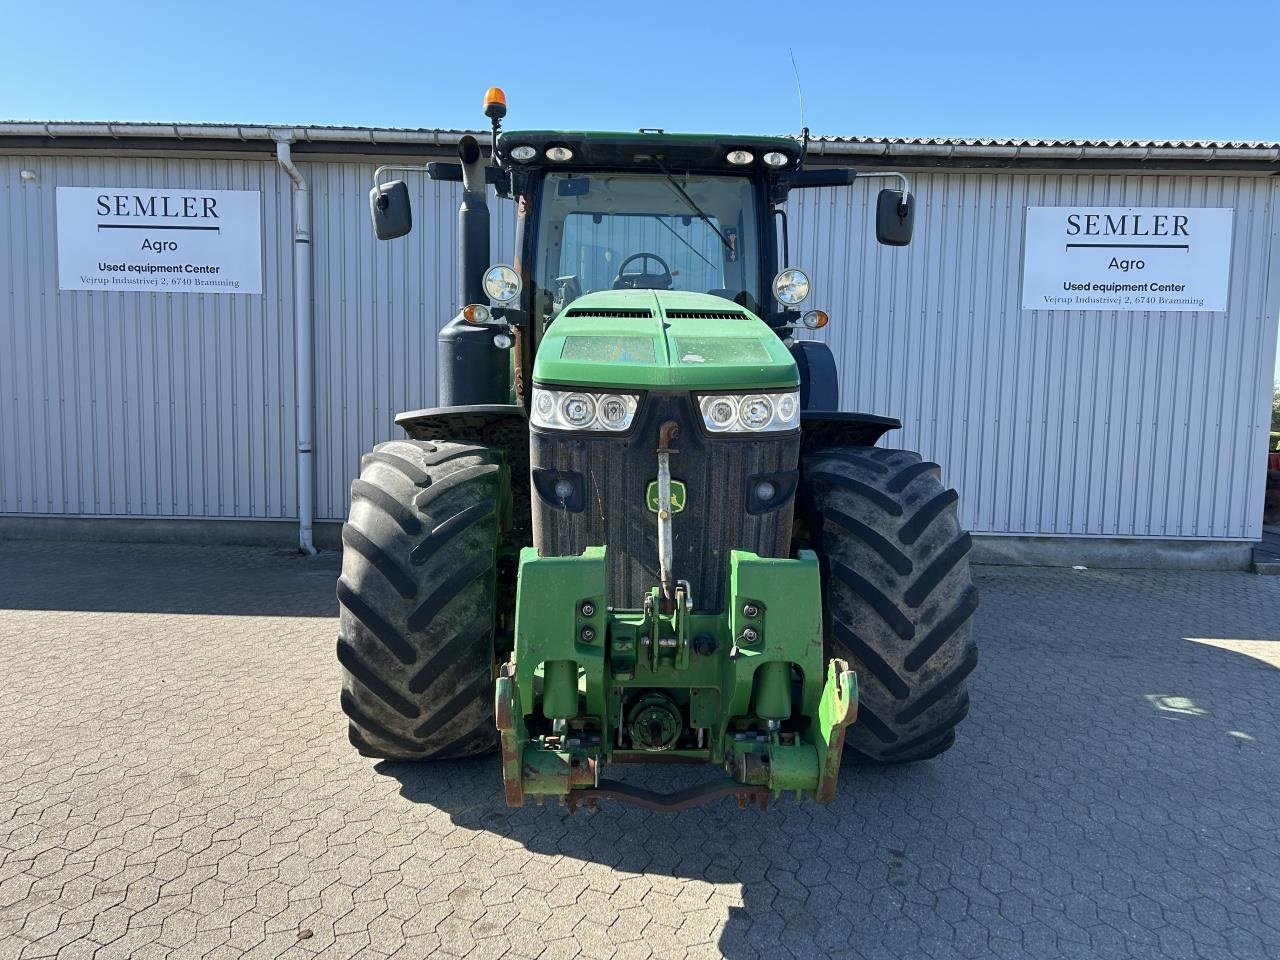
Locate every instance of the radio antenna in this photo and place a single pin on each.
(799, 90)
(804, 130)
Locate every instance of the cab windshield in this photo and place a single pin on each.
(615, 231)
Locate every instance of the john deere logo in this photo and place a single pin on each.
(677, 496)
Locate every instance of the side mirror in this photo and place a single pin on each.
(895, 216)
(390, 209)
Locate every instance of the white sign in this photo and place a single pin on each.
(159, 240)
(1127, 258)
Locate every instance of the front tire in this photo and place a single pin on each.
(417, 600)
(897, 595)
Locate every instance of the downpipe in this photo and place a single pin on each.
(304, 357)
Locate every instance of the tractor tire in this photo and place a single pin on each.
(897, 595)
(417, 600)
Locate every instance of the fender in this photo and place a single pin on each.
(493, 424)
(500, 426)
(819, 380)
(822, 425)
(835, 428)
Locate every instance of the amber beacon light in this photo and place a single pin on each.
(495, 103)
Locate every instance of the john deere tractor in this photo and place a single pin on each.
(638, 527)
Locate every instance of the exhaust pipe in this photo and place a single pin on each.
(473, 224)
(470, 370)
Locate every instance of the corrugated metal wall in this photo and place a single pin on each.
(1049, 422)
(1120, 424)
(142, 404)
(177, 405)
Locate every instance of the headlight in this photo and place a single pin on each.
(755, 412)
(524, 153)
(791, 287)
(751, 413)
(775, 159)
(614, 412)
(501, 283)
(740, 157)
(579, 410)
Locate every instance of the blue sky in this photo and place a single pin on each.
(1075, 68)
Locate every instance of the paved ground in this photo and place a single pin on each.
(1266, 555)
(175, 780)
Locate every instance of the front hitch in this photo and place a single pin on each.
(587, 685)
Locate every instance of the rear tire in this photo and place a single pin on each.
(897, 595)
(417, 600)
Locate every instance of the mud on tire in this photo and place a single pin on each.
(417, 599)
(898, 596)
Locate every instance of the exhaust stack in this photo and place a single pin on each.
(473, 224)
(470, 370)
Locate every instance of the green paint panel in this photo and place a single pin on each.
(788, 623)
(719, 350)
(549, 622)
(609, 350)
(586, 347)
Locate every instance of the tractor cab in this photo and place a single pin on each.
(646, 211)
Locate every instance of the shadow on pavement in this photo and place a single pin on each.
(156, 578)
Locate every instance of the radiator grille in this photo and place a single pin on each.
(616, 474)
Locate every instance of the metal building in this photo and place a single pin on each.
(1142, 426)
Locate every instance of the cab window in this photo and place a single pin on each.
(629, 231)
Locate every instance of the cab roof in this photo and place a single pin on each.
(594, 149)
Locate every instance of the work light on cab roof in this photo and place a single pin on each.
(638, 527)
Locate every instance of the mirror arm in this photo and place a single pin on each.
(396, 166)
(444, 170)
(906, 186)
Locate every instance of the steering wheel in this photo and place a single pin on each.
(643, 280)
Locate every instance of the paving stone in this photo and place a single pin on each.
(176, 782)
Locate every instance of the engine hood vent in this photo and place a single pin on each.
(706, 315)
(610, 313)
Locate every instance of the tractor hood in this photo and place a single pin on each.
(655, 339)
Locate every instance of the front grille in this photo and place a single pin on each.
(616, 473)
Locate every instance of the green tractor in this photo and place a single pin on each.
(638, 529)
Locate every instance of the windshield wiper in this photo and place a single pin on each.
(693, 206)
(694, 250)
